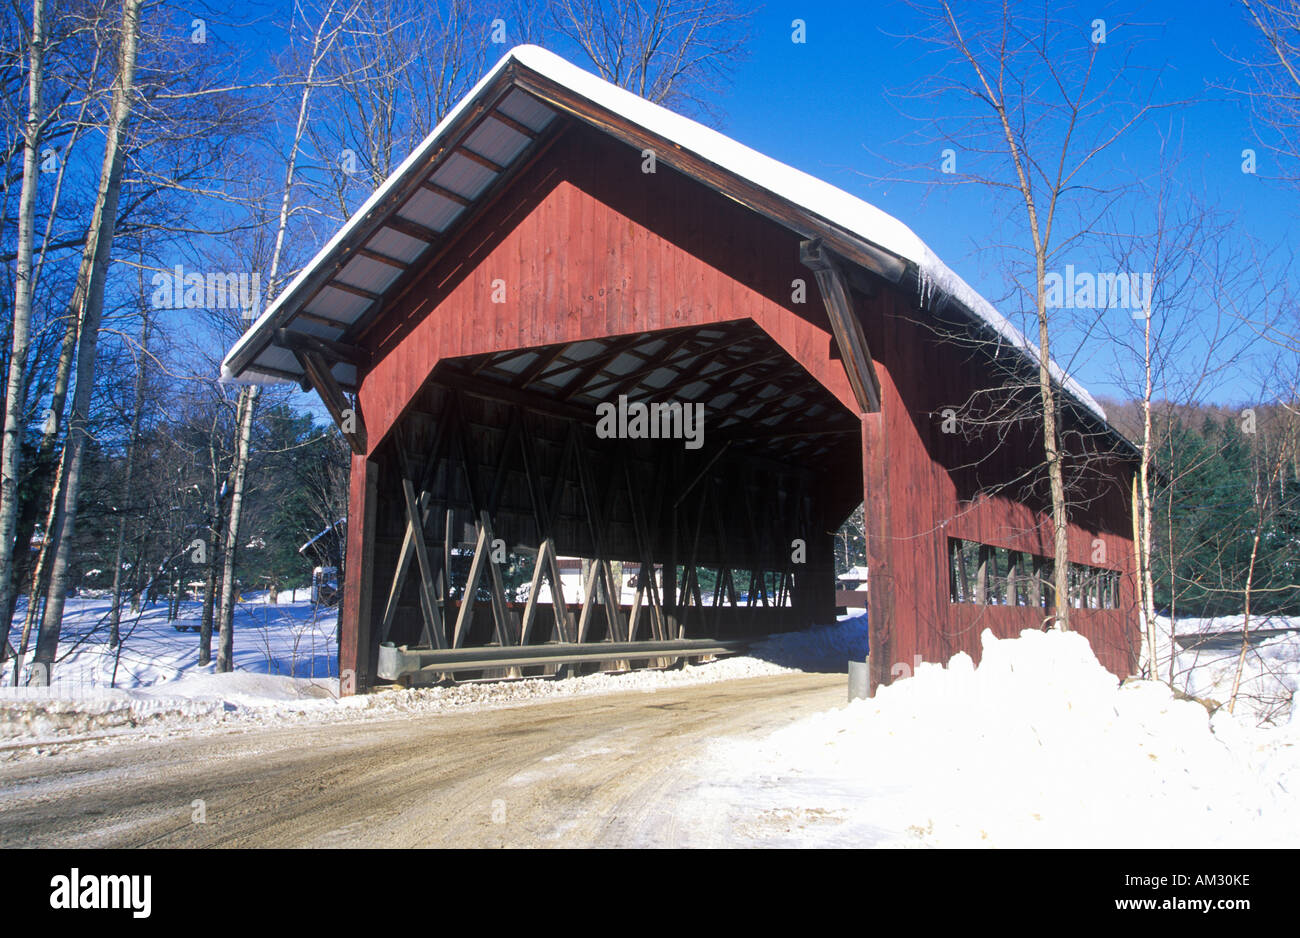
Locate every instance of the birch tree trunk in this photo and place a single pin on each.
(1146, 583)
(11, 446)
(226, 640)
(102, 223)
(46, 467)
(322, 40)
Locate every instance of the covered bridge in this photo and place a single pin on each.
(574, 324)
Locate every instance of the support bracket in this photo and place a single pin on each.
(861, 370)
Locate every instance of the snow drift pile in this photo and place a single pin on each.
(1038, 746)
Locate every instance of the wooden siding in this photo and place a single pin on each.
(589, 246)
(926, 486)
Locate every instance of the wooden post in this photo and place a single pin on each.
(1036, 582)
(1013, 569)
(877, 515)
(672, 610)
(357, 658)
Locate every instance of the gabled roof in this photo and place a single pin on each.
(491, 133)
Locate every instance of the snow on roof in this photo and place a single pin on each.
(341, 521)
(863, 220)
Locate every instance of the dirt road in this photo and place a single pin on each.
(612, 770)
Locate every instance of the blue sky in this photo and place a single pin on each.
(823, 108)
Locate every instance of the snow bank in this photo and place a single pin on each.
(1038, 746)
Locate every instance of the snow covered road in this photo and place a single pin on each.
(612, 770)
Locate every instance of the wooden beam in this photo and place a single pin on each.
(844, 324)
(328, 349)
(412, 229)
(378, 216)
(480, 159)
(415, 524)
(596, 525)
(355, 291)
(542, 518)
(466, 614)
(592, 368)
(545, 359)
(356, 647)
(588, 590)
(446, 193)
(408, 540)
(397, 292)
(376, 256)
(662, 359)
(642, 535)
(877, 509)
(497, 593)
(956, 572)
(505, 394)
(513, 124)
(323, 382)
(711, 379)
(320, 320)
(703, 471)
(535, 587)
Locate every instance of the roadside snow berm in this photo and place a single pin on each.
(1037, 746)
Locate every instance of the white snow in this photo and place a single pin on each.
(1038, 746)
(813, 195)
(1270, 673)
(285, 671)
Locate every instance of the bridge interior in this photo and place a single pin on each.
(500, 476)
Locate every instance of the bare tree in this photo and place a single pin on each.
(16, 388)
(333, 20)
(1269, 459)
(1031, 106)
(673, 52)
(1173, 350)
(133, 439)
(395, 70)
(102, 229)
(1275, 92)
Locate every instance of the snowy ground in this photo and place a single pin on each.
(1270, 673)
(1038, 746)
(291, 639)
(286, 671)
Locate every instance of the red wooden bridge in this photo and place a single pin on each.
(557, 244)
